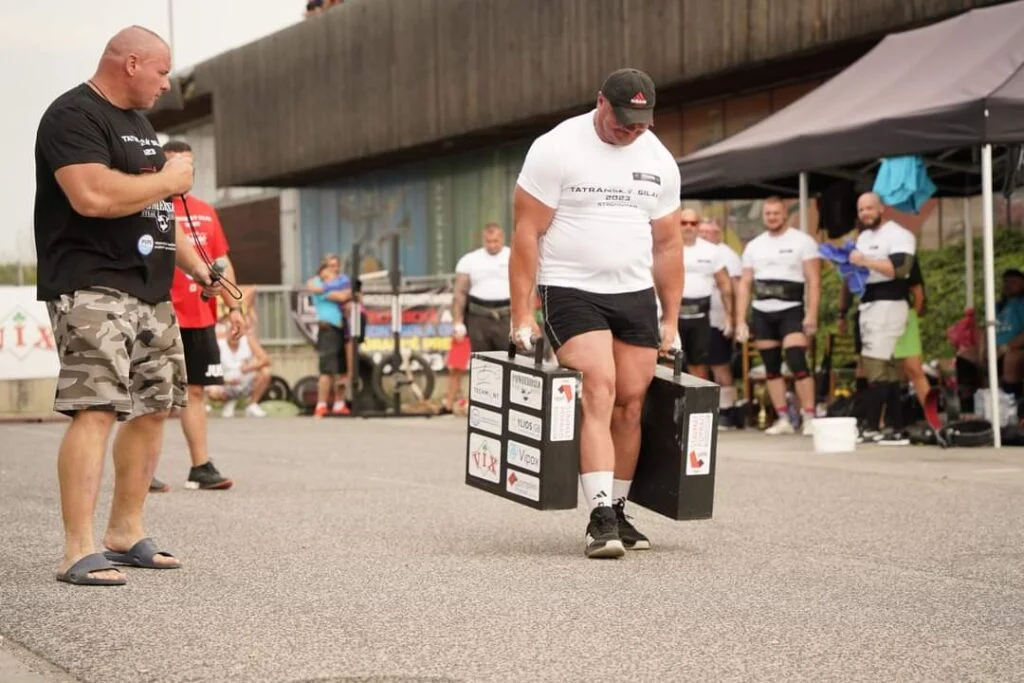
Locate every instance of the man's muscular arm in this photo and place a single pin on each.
(531, 219)
(668, 265)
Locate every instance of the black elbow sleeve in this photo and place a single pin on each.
(902, 263)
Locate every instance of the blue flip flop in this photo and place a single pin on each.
(81, 572)
(141, 555)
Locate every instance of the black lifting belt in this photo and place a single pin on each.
(695, 306)
(783, 290)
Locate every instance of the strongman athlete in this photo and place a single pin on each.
(704, 269)
(887, 251)
(782, 266)
(597, 228)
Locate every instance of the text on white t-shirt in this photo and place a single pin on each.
(605, 197)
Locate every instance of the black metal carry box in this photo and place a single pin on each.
(523, 440)
(675, 475)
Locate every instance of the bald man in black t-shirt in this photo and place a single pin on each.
(107, 244)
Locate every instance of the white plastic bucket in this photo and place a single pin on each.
(835, 434)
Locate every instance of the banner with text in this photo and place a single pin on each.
(27, 350)
(426, 323)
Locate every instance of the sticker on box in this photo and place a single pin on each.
(525, 390)
(486, 420)
(525, 425)
(521, 455)
(523, 485)
(484, 457)
(485, 382)
(698, 444)
(563, 408)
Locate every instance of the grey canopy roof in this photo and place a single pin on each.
(928, 91)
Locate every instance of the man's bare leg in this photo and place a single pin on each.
(914, 372)
(698, 371)
(454, 387)
(591, 354)
(193, 424)
(634, 370)
(136, 450)
(79, 472)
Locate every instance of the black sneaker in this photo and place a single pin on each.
(157, 486)
(631, 538)
(207, 477)
(603, 534)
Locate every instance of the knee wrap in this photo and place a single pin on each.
(796, 359)
(772, 359)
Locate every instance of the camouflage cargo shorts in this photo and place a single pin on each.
(116, 353)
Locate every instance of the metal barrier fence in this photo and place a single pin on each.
(275, 305)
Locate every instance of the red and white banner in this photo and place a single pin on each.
(26, 340)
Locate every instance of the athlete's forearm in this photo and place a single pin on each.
(522, 272)
(743, 296)
(668, 276)
(185, 256)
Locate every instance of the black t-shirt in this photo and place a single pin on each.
(134, 254)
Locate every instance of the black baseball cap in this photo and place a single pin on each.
(631, 94)
(1013, 272)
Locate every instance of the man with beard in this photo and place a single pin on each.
(782, 266)
(704, 269)
(887, 251)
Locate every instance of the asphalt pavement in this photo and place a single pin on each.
(351, 549)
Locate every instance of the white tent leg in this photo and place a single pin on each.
(969, 252)
(803, 202)
(988, 241)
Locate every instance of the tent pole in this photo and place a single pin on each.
(969, 252)
(988, 241)
(803, 201)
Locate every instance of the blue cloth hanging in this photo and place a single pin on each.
(903, 183)
(856, 277)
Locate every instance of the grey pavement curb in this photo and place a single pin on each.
(19, 665)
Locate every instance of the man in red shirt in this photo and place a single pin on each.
(197, 320)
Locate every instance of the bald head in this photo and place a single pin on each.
(134, 68)
(134, 40)
(869, 211)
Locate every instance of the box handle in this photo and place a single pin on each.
(538, 354)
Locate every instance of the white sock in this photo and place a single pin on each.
(620, 490)
(727, 397)
(597, 488)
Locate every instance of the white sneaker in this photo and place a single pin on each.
(781, 426)
(807, 428)
(228, 410)
(254, 410)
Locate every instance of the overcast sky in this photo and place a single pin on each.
(49, 47)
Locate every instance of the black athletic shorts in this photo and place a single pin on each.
(776, 325)
(202, 356)
(488, 333)
(695, 338)
(632, 317)
(719, 348)
(330, 346)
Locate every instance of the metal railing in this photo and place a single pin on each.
(275, 304)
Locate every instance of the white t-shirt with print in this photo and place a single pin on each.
(889, 238)
(700, 263)
(488, 274)
(779, 257)
(731, 260)
(605, 197)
